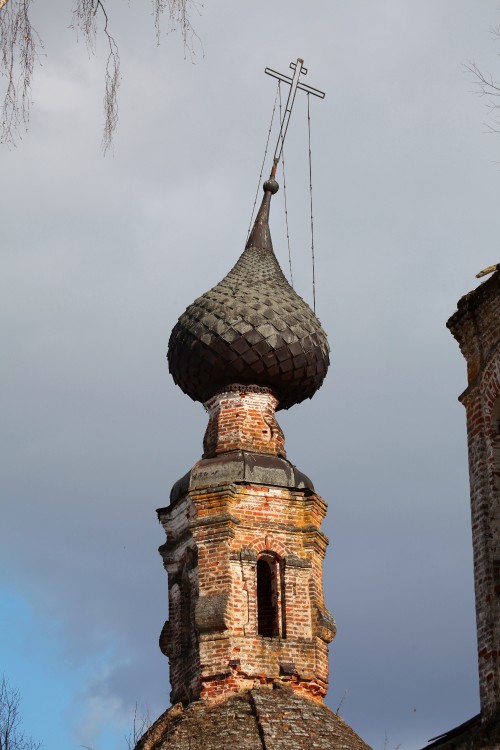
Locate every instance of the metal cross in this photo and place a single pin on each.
(295, 84)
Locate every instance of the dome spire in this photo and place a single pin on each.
(260, 236)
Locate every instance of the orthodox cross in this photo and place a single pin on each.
(295, 84)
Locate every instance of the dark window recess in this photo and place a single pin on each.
(267, 598)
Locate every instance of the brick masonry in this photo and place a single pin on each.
(476, 326)
(216, 535)
(240, 419)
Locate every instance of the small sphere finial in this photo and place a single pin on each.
(271, 186)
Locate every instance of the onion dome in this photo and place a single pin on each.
(252, 329)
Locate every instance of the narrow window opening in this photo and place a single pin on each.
(267, 597)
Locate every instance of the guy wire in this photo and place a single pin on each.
(311, 202)
(286, 206)
(264, 159)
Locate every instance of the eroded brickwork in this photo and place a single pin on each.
(239, 419)
(216, 535)
(476, 326)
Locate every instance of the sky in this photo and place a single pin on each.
(100, 256)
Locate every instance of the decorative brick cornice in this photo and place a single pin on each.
(475, 324)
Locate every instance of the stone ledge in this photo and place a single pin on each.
(241, 466)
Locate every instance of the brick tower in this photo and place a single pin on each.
(248, 630)
(476, 327)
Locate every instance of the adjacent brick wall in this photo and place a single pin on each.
(476, 326)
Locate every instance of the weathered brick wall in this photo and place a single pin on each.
(220, 532)
(476, 326)
(229, 528)
(239, 419)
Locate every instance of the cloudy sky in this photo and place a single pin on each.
(101, 255)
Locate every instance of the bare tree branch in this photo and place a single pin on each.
(179, 14)
(12, 736)
(489, 87)
(84, 20)
(341, 701)
(140, 725)
(19, 47)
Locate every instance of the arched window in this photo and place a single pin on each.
(267, 596)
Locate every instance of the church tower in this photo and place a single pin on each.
(247, 631)
(244, 548)
(476, 327)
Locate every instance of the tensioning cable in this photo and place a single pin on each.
(278, 94)
(285, 201)
(311, 203)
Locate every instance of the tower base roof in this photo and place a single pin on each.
(241, 466)
(256, 719)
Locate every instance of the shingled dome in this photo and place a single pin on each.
(253, 720)
(252, 328)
